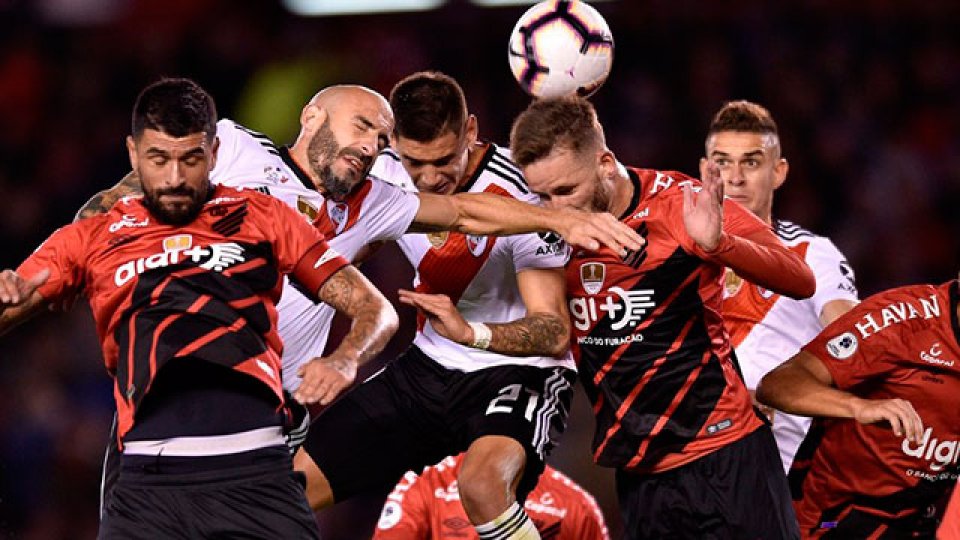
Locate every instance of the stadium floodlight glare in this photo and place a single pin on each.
(357, 7)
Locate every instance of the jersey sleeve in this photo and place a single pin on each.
(300, 249)
(390, 210)
(852, 358)
(835, 278)
(61, 254)
(244, 158)
(539, 250)
(406, 514)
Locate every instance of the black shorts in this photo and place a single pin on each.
(416, 412)
(857, 523)
(737, 492)
(265, 501)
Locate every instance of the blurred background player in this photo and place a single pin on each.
(767, 328)
(884, 378)
(427, 507)
(500, 387)
(182, 282)
(673, 416)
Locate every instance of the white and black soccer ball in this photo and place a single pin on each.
(559, 48)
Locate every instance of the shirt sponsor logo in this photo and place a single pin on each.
(843, 346)
(932, 356)
(719, 426)
(642, 214)
(476, 244)
(216, 257)
(128, 220)
(545, 505)
(177, 242)
(339, 214)
(627, 310)
(938, 453)
(592, 275)
(921, 308)
(553, 244)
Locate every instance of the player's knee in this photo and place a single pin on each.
(489, 475)
(318, 490)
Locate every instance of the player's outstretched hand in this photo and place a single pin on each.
(324, 378)
(703, 210)
(899, 413)
(442, 314)
(590, 230)
(14, 290)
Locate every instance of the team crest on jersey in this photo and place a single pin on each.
(306, 208)
(177, 242)
(843, 346)
(391, 515)
(476, 244)
(732, 283)
(592, 275)
(438, 239)
(339, 213)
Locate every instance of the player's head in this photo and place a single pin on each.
(173, 148)
(343, 128)
(559, 145)
(743, 142)
(434, 131)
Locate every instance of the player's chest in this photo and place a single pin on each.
(446, 250)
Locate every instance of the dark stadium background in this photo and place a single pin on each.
(865, 93)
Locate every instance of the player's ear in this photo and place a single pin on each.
(780, 171)
(132, 152)
(472, 130)
(312, 117)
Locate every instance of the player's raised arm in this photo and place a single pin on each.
(742, 241)
(103, 200)
(490, 214)
(803, 385)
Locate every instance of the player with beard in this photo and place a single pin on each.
(323, 175)
(183, 283)
(497, 388)
(693, 458)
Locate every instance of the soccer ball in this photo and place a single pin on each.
(561, 47)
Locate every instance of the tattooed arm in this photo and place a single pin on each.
(544, 331)
(374, 323)
(104, 200)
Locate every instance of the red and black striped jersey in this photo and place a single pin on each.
(206, 290)
(901, 343)
(651, 348)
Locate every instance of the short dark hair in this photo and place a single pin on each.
(175, 106)
(426, 105)
(745, 116)
(568, 122)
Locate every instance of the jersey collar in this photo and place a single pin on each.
(295, 167)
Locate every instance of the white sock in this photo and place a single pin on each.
(513, 524)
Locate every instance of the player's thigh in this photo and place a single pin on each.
(526, 404)
(375, 433)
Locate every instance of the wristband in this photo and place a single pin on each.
(481, 336)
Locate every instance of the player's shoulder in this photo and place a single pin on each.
(791, 233)
(497, 173)
(232, 133)
(387, 169)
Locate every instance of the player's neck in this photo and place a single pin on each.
(298, 153)
(475, 155)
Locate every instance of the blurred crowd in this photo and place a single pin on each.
(865, 94)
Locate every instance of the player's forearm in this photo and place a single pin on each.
(489, 214)
(769, 265)
(537, 334)
(374, 320)
(104, 200)
(791, 388)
